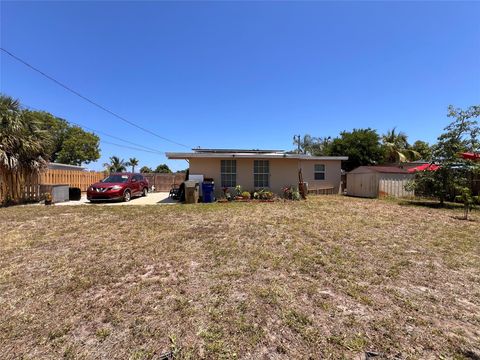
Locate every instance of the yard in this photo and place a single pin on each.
(332, 277)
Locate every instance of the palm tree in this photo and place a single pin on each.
(397, 148)
(116, 165)
(132, 162)
(23, 148)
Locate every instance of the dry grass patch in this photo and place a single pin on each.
(332, 277)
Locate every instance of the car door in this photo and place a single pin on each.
(135, 185)
(143, 182)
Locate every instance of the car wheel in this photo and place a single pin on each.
(144, 192)
(127, 196)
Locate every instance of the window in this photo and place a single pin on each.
(261, 172)
(228, 173)
(319, 172)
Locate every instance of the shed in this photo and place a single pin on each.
(378, 181)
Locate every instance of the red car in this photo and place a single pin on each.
(119, 186)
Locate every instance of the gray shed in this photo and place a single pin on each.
(378, 181)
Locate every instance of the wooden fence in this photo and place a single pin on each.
(72, 178)
(83, 179)
(164, 182)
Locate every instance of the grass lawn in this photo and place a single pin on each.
(332, 277)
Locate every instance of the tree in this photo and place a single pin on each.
(362, 146)
(146, 169)
(70, 144)
(54, 126)
(397, 148)
(315, 146)
(469, 201)
(423, 149)
(132, 162)
(163, 168)
(23, 149)
(461, 135)
(116, 165)
(79, 147)
(455, 173)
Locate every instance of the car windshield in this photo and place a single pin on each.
(116, 179)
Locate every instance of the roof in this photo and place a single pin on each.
(59, 166)
(249, 155)
(379, 169)
(236, 151)
(470, 156)
(424, 167)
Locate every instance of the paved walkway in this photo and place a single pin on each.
(160, 198)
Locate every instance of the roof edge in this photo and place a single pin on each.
(184, 155)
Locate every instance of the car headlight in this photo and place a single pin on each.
(90, 188)
(116, 187)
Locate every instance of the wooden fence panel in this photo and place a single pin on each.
(72, 178)
(164, 182)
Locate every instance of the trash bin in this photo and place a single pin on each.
(208, 190)
(191, 192)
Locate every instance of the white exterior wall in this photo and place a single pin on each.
(394, 185)
(372, 185)
(362, 185)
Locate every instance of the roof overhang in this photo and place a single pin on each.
(186, 156)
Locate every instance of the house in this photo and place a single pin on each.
(379, 181)
(255, 169)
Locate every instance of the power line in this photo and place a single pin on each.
(131, 147)
(147, 149)
(91, 101)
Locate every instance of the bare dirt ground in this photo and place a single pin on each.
(332, 277)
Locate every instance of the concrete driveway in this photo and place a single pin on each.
(155, 198)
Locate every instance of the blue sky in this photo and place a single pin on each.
(244, 74)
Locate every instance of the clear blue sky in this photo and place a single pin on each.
(244, 75)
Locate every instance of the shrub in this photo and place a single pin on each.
(246, 195)
(291, 193)
(263, 194)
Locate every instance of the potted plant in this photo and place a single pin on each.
(263, 195)
(238, 192)
(48, 198)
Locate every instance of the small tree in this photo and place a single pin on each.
(469, 201)
(460, 135)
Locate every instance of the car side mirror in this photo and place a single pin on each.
(134, 180)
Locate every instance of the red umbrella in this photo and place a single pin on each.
(424, 167)
(470, 156)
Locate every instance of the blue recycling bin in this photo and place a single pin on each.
(208, 190)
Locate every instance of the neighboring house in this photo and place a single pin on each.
(379, 181)
(59, 166)
(256, 169)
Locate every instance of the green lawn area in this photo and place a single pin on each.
(331, 277)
